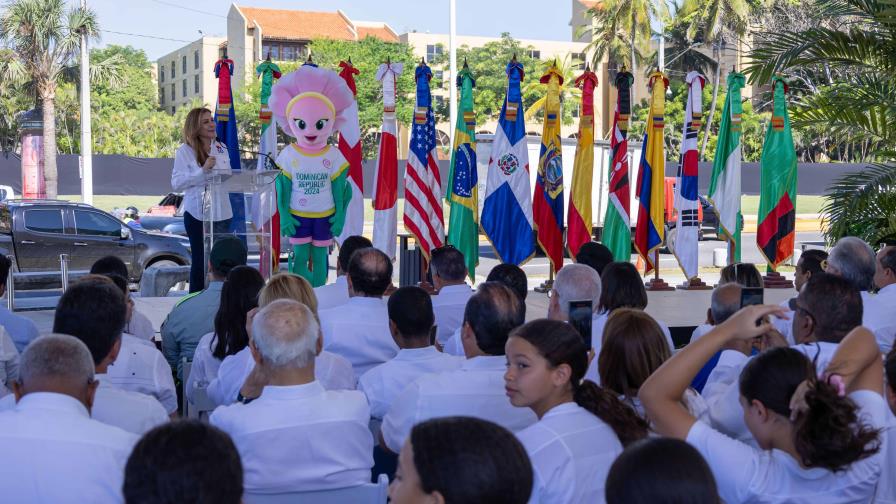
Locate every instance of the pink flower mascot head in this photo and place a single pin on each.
(312, 194)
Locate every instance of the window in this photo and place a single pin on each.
(173, 93)
(172, 69)
(578, 59)
(96, 224)
(44, 221)
(173, 110)
(161, 95)
(535, 54)
(439, 75)
(195, 59)
(288, 53)
(440, 102)
(183, 88)
(432, 50)
(162, 75)
(273, 50)
(575, 111)
(183, 64)
(196, 84)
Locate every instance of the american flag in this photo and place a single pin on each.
(422, 187)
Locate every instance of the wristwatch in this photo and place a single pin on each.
(240, 398)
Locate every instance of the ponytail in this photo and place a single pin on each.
(625, 422)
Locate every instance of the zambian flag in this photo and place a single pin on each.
(777, 201)
(463, 196)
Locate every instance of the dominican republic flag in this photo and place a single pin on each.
(777, 199)
(686, 203)
(578, 231)
(385, 184)
(350, 147)
(650, 230)
(225, 129)
(724, 188)
(422, 186)
(264, 205)
(547, 202)
(617, 235)
(507, 211)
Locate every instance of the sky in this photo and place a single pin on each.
(182, 20)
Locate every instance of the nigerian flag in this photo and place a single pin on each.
(463, 224)
(724, 188)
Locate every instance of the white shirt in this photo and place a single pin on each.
(334, 372)
(189, 178)
(879, 315)
(598, 321)
(142, 368)
(311, 175)
(334, 294)
(701, 331)
(571, 451)
(141, 327)
(383, 383)
(476, 389)
(204, 367)
(886, 486)
(454, 345)
(359, 331)
(746, 474)
(300, 438)
(55, 453)
(9, 362)
(448, 306)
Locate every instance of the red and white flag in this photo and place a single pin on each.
(385, 184)
(350, 147)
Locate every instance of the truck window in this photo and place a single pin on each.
(43, 221)
(5, 220)
(96, 224)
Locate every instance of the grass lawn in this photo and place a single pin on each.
(804, 204)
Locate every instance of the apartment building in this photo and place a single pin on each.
(187, 74)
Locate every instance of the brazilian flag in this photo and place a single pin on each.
(463, 195)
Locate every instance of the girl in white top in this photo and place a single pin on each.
(581, 427)
(816, 444)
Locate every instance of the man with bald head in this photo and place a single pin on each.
(54, 451)
(279, 434)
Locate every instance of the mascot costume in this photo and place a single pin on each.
(312, 193)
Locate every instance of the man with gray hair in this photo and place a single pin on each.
(275, 432)
(54, 451)
(574, 282)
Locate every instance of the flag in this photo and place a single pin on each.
(422, 187)
(617, 235)
(724, 188)
(650, 230)
(463, 223)
(547, 202)
(350, 147)
(225, 129)
(578, 230)
(264, 212)
(507, 211)
(385, 183)
(687, 228)
(777, 199)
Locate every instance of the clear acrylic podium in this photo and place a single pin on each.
(259, 194)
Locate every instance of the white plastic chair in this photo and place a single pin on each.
(368, 493)
(201, 405)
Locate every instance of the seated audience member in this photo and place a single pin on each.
(238, 295)
(93, 310)
(510, 275)
(855, 261)
(184, 462)
(810, 263)
(634, 347)
(138, 325)
(296, 436)
(449, 273)
(886, 487)
(818, 435)
(725, 302)
(743, 274)
(21, 329)
(194, 315)
(477, 388)
(621, 287)
(661, 471)
(825, 311)
(411, 323)
(140, 366)
(359, 329)
(574, 282)
(9, 363)
(596, 255)
(581, 427)
(885, 300)
(54, 452)
(461, 460)
(336, 293)
(333, 371)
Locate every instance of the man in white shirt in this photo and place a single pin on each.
(296, 436)
(336, 293)
(411, 323)
(359, 329)
(885, 300)
(449, 272)
(138, 324)
(21, 329)
(9, 363)
(54, 452)
(810, 263)
(477, 388)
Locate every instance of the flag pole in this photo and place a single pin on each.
(452, 53)
(86, 137)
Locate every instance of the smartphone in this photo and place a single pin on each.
(751, 296)
(580, 318)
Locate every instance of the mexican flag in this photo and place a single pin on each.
(463, 195)
(724, 188)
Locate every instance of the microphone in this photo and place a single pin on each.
(262, 154)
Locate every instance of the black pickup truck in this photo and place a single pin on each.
(36, 232)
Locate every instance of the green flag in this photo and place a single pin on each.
(617, 234)
(724, 188)
(463, 193)
(777, 201)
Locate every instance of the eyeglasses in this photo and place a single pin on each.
(795, 307)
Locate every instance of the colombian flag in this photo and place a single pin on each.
(547, 203)
(579, 231)
(650, 231)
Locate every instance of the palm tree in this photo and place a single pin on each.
(46, 37)
(567, 90)
(714, 20)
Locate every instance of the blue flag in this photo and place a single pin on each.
(225, 128)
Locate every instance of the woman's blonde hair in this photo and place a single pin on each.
(288, 286)
(192, 126)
